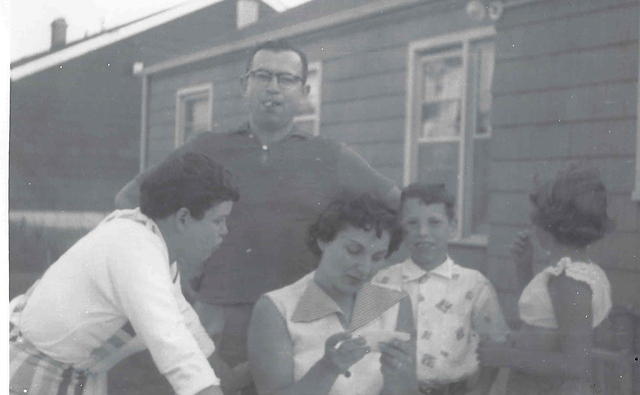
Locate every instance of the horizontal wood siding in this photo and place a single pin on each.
(565, 89)
(80, 120)
(363, 83)
(74, 132)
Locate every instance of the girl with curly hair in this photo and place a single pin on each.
(562, 305)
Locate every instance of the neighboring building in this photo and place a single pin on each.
(75, 109)
(434, 91)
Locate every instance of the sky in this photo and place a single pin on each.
(30, 19)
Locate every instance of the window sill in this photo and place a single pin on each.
(478, 240)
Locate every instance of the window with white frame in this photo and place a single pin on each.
(193, 112)
(449, 125)
(309, 118)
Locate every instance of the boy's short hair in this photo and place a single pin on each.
(188, 180)
(429, 194)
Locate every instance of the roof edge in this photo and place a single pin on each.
(310, 26)
(337, 18)
(107, 38)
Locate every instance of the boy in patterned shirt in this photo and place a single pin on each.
(454, 307)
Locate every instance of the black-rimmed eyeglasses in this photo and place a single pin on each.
(265, 77)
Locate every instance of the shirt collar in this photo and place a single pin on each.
(412, 272)
(314, 304)
(371, 302)
(245, 129)
(137, 216)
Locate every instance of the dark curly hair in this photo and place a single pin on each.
(572, 207)
(189, 180)
(361, 212)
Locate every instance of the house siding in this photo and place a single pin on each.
(72, 125)
(565, 89)
(75, 127)
(364, 79)
(364, 66)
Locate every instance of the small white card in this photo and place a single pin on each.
(374, 338)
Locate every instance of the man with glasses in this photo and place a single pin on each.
(286, 178)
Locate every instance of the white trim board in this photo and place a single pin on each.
(58, 219)
(107, 38)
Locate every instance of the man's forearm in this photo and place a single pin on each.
(211, 391)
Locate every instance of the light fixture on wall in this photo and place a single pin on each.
(496, 8)
(478, 10)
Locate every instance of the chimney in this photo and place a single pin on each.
(246, 12)
(58, 33)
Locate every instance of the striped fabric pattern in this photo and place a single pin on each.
(32, 372)
(110, 346)
(371, 302)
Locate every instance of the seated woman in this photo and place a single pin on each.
(306, 338)
(561, 305)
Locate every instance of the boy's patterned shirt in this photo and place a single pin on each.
(454, 307)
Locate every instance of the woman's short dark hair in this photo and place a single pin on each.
(361, 212)
(572, 207)
(430, 194)
(188, 180)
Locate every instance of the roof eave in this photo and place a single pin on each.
(109, 37)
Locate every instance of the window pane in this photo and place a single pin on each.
(441, 105)
(196, 114)
(479, 220)
(441, 119)
(438, 163)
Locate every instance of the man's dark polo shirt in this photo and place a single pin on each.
(282, 191)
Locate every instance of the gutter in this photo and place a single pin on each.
(107, 38)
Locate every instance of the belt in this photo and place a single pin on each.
(447, 389)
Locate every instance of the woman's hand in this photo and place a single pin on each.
(398, 366)
(342, 350)
(522, 255)
(522, 249)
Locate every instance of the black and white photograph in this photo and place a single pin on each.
(322, 197)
